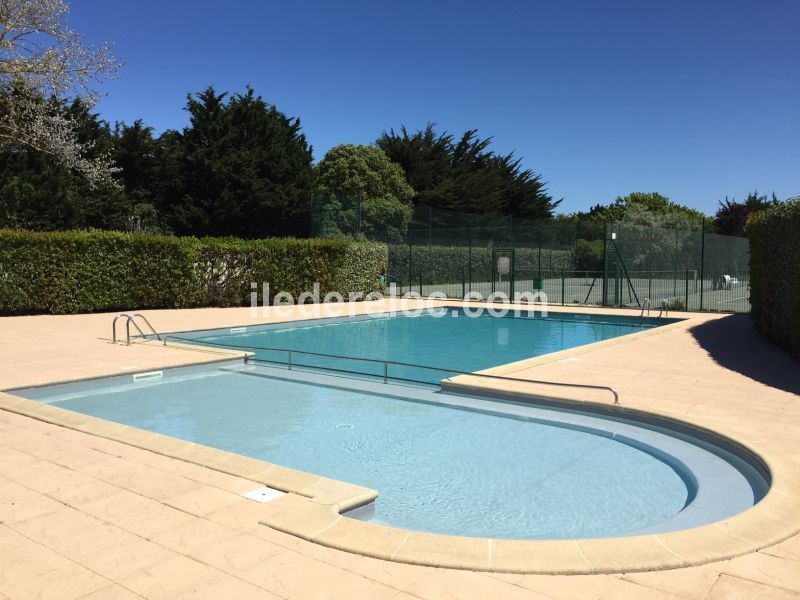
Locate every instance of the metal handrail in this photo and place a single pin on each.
(114, 327)
(645, 306)
(128, 329)
(664, 308)
(386, 363)
(143, 318)
(128, 320)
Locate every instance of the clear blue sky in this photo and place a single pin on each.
(693, 99)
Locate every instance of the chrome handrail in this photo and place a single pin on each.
(114, 327)
(128, 320)
(143, 318)
(128, 329)
(386, 363)
(645, 306)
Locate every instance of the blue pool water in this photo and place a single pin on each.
(474, 467)
(454, 341)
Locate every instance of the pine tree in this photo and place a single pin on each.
(241, 167)
(465, 175)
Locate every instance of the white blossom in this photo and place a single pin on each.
(40, 56)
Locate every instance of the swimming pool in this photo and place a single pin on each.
(441, 339)
(441, 462)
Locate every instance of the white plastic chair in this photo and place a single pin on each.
(730, 281)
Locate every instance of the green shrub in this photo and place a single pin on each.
(75, 272)
(589, 255)
(451, 264)
(675, 304)
(775, 273)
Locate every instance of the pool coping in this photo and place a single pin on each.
(313, 505)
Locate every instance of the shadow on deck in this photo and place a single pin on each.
(734, 343)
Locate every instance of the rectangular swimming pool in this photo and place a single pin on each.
(443, 340)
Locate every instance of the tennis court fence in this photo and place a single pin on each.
(573, 263)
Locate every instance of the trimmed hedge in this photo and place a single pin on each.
(76, 272)
(775, 273)
(449, 264)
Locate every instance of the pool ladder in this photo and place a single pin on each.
(128, 320)
(662, 309)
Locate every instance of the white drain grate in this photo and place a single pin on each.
(263, 494)
(147, 376)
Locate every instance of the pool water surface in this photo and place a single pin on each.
(441, 463)
(453, 341)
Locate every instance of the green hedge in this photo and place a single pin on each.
(76, 272)
(775, 273)
(450, 264)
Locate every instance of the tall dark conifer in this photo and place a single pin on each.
(465, 175)
(241, 168)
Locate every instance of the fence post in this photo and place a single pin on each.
(604, 299)
(686, 303)
(563, 298)
(410, 266)
(512, 279)
(420, 280)
(463, 283)
(702, 260)
(540, 257)
(430, 229)
(469, 262)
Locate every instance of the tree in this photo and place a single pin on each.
(731, 217)
(656, 233)
(379, 186)
(41, 57)
(464, 175)
(646, 209)
(136, 154)
(241, 168)
(38, 193)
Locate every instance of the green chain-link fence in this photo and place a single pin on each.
(614, 264)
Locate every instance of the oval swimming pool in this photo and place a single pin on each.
(441, 462)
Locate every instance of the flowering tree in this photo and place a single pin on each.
(41, 57)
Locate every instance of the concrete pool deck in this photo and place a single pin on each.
(714, 372)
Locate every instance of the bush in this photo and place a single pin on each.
(75, 272)
(589, 255)
(450, 264)
(675, 304)
(775, 273)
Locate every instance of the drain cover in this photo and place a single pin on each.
(263, 494)
(344, 426)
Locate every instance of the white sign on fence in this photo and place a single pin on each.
(503, 265)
